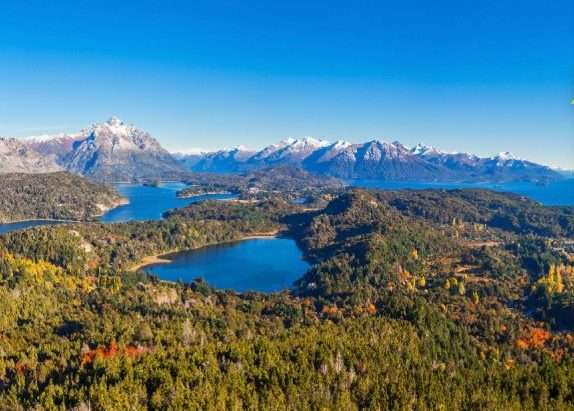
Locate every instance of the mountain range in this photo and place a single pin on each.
(109, 151)
(116, 151)
(372, 160)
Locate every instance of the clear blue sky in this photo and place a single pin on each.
(479, 76)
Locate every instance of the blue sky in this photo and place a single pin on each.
(478, 76)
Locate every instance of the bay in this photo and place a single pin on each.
(149, 203)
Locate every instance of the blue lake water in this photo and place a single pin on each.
(146, 203)
(5, 228)
(264, 265)
(149, 203)
(555, 193)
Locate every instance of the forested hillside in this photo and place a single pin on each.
(60, 196)
(287, 182)
(400, 310)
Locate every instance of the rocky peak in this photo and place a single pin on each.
(114, 122)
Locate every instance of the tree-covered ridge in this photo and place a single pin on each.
(397, 312)
(59, 196)
(506, 211)
(286, 182)
(97, 247)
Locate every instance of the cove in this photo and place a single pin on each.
(262, 264)
(149, 203)
(145, 203)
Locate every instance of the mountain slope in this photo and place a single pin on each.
(58, 146)
(376, 160)
(225, 161)
(114, 151)
(16, 157)
(291, 151)
(109, 151)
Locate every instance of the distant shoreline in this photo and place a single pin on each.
(96, 218)
(207, 193)
(54, 220)
(161, 258)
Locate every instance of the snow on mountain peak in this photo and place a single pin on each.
(45, 137)
(506, 155)
(422, 149)
(341, 144)
(311, 142)
(305, 142)
(114, 121)
(112, 127)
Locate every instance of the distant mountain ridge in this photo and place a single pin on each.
(116, 151)
(17, 157)
(109, 151)
(373, 160)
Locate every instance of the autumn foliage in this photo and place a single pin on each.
(534, 338)
(112, 351)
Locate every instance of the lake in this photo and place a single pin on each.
(5, 228)
(149, 203)
(146, 203)
(555, 193)
(264, 265)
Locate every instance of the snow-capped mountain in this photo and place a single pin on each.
(109, 151)
(288, 151)
(16, 157)
(54, 145)
(376, 160)
(115, 151)
(225, 161)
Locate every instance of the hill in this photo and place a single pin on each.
(60, 196)
(402, 309)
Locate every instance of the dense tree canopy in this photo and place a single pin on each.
(59, 196)
(426, 306)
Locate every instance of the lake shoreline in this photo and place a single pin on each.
(54, 220)
(94, 219)
(163, 258)
(206, 194)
